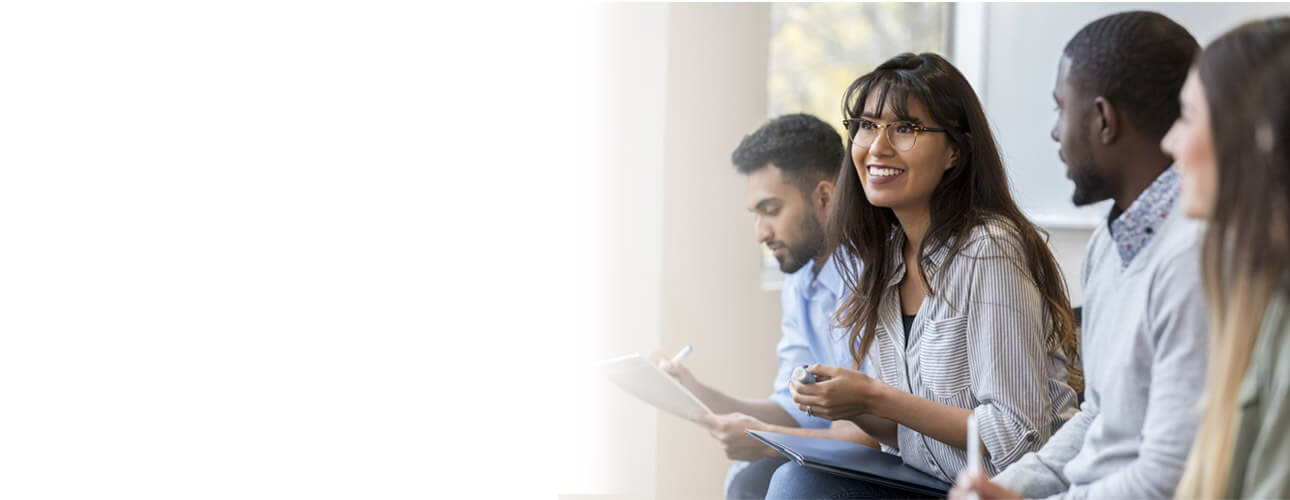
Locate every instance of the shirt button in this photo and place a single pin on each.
(1151, 231)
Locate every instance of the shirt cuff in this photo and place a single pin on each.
(1005, 438)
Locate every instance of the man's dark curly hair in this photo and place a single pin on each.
(805, 149)
(1138, 60)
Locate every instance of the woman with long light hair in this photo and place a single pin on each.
(1232, 146)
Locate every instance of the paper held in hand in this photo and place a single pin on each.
(649, 383)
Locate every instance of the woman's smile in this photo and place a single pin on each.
(882, 174)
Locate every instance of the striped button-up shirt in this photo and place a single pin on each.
(983, 341)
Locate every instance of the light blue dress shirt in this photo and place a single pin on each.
(809, 336)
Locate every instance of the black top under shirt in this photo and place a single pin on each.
(909, 324)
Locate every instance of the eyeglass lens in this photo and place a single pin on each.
(902, 135)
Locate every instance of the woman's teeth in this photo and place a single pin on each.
(884, 172)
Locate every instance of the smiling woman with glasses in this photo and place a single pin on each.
(959, 300)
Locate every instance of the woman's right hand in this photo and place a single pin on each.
(838, 393)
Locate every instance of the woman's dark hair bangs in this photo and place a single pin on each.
(893, 88)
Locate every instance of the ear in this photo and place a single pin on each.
(952, 156)
(822, 196)
(1106, 120)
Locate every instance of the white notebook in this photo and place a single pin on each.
(649, 383)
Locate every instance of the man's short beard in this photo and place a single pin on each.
(1089, 187)
(805, 251)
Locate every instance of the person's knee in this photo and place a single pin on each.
(789, 481)
(744, 485)
(751, 482)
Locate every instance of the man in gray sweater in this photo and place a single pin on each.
(1144, 335)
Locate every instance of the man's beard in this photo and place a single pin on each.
(806, 250)
(1089, 187)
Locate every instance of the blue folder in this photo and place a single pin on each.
(852, 460)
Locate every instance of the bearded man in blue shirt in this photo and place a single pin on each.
(790, 164)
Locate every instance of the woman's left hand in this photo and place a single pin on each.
(838, 393)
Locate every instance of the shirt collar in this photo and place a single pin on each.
(1134, 228)
(830, 276)
(803, 278)
(931, 262)
(807, 281)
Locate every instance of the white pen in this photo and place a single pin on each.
(685, 351)
(973, 451)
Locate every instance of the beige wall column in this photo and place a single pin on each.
(716, 93)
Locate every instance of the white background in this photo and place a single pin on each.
(276, 249)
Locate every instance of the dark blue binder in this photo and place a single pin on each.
(852, 460)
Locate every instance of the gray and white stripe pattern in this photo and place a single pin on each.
(982, 341)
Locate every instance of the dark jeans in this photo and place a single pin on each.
(751, 482)
(794, 481)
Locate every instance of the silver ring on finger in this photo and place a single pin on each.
(810, 411)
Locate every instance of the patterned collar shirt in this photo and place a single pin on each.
(1133, 228)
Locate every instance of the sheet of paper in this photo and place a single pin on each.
(643, 379)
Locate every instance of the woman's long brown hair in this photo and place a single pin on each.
(1246, 250)
(972, 193)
